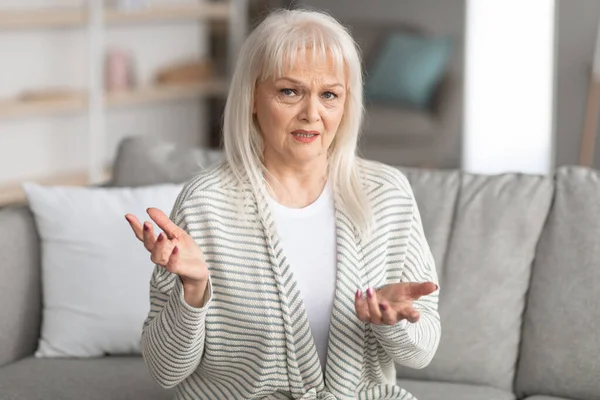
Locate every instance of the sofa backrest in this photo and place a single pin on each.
(20, 284)
(492, 225)
(560, 351)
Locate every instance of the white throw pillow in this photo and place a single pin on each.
(95, 273)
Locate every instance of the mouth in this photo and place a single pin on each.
(305, 134)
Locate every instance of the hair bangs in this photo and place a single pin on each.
(307, 43)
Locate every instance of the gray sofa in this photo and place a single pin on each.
(519, 264)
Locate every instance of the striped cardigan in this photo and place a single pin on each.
(252, 338)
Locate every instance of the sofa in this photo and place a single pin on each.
(518, 258)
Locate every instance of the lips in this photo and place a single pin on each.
(303, 133)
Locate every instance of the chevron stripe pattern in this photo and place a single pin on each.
(252, 338)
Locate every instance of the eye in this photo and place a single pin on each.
(287, 91)
(329, 95)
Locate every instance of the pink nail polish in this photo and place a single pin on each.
(160, 237)
(382, 307)
(175, 250)
(370, 292)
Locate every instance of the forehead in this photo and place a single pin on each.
(309, 63)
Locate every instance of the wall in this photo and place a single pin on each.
(577, 26)
(509, 86)
(45, 146)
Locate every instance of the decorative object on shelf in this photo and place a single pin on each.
(119, 73)
(185, 72)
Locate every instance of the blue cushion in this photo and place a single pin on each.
(407, 69)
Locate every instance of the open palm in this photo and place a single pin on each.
(173, 248)
(391, 303)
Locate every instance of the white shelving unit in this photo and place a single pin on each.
(95, 19)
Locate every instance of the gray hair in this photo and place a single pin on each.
(272, 45)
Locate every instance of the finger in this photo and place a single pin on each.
(149, 237)
(162, 250)
(389, 316)
(136, 226)
(162, 220)
(172, 264)
(374, 311)
(409, 313)
(360, 305)
(416, 290)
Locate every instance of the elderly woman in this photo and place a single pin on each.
(294, 270)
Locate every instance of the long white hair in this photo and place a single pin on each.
(272, 45)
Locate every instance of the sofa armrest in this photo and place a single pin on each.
(20, 284)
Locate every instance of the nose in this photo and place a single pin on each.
(310, 110)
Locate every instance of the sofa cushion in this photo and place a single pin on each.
(95, 273)
(561, 333)
(145, 160)
(485, 277)
(115, 378)
(20, 284)
(453, 391)
(408, 68)
(436, 192)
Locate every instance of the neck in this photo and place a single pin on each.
(296, 186)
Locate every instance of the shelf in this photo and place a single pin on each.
(17, 109)
(139, 96)
(215, 11)
(161, 93)
(64, 18)
(14, 194)
(59, 18)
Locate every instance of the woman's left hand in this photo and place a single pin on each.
(392, 303)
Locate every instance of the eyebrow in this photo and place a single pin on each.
(297, 82)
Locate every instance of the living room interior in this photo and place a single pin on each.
(489, 108)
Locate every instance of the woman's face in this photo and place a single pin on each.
(299, 113)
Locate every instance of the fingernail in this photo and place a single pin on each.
(146, 227)
(382, 307)
(436, 287)
(175, 250)
(370, 292)
(160, 237)
(356, 294)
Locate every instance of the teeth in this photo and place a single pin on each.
(304, 135)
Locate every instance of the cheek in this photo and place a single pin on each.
(334, 118)
(275, 116)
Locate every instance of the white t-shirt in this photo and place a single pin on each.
(308, 236)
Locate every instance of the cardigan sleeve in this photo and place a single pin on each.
(172, 341)
(414, 345)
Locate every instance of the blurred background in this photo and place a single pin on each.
(478, 85)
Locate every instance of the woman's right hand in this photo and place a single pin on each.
(175, 250)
